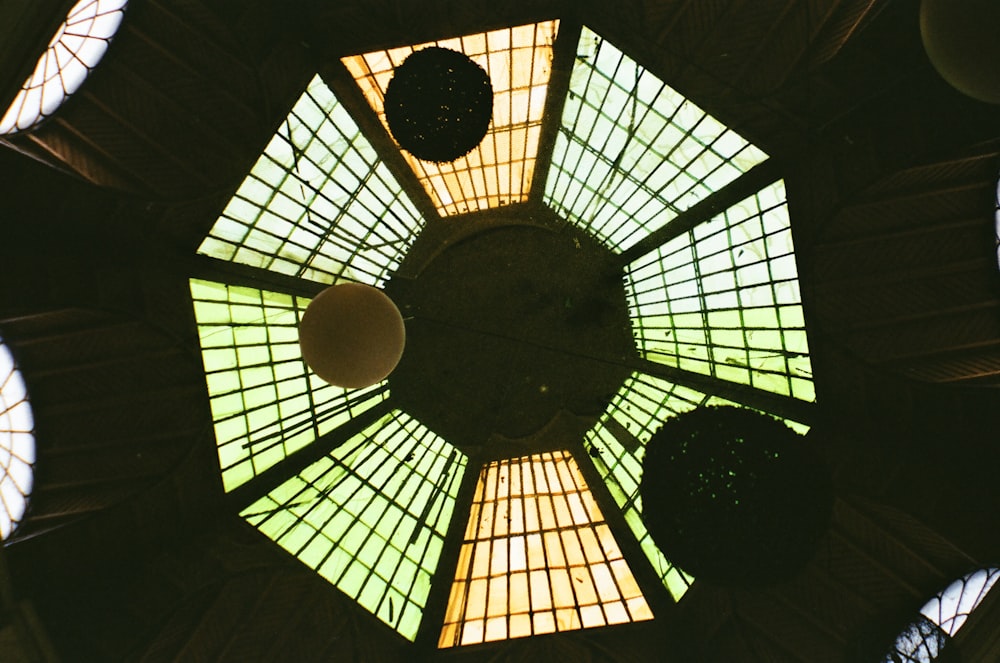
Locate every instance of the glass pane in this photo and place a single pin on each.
(631, 152)
(319, 203)
(17, 444)
(74, 51)
(266, 403)
(723, 299)
(499, 171)
(535, 559)
(371, 517)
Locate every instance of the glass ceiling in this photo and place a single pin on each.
(371, 517)
(319, 203)
(266, 403)
(723, 299)
(631, 152)
(499, 171)
(17, 444)
(74, 51)
(537, 556)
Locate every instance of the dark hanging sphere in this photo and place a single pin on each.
(733, 496)
(438, 104)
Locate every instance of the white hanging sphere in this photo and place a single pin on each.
(352, 335)
(960, 37)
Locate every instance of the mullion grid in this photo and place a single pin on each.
(640, 406)
(710, 155)
(371, 529)
(476, 181)
(347, 219)
(725, 305)
(17, 445)
(66, 62)
(534, 519)
(265, 402)
(952, 607)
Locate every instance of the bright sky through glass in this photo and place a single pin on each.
(74, 51)
(945, 614)
(537, 557)
(723, 299)
(499, 171)
(371, 517)
(952, 607)
(266, 403)
(17, 444)
(631, 152)
(319, 203)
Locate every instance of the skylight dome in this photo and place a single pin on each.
(74, 51)
(375, 495)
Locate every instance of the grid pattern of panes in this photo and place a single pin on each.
(17, 444)
(319, 203)
(631, 152)
(371, 517)
(499, 171)
(952, 607)
(723, 299)
(74, 51)
(537, 557)
(266, 403)
(617, 446)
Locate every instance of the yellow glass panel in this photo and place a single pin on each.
(561, 570)
(499, 171)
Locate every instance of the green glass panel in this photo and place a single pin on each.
(631, 152)
(375, 544)
(266, 403)
(723, 299)
(617, 446)
(319, 203)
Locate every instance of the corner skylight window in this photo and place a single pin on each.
(537, 557)
(518, 61)
(17, 444)
(723, 299)
(371, 516)
(632, 152)
(74, 51)
(319, 203)
(266, 403)
(941, 618)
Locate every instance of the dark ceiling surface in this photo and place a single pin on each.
(891, 184)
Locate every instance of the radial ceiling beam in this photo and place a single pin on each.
(563, 56)
(742, 187)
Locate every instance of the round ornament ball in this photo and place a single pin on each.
(733, 496)
(438, 104)
(960, 37)
(352, 335)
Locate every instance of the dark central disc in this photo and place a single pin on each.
(507, 328)
(438, 104)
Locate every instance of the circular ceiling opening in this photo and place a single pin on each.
(509, 327)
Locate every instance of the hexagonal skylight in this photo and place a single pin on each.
(365, 494)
